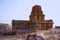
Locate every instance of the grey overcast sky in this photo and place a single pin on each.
(21, 9)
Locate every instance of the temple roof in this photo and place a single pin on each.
(36, 6)
(37, 10)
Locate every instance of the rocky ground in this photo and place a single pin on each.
(53, 34)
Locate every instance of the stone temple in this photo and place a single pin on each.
(37, 21)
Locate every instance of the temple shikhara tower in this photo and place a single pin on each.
(37, 21)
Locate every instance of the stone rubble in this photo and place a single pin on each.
(46, 35)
